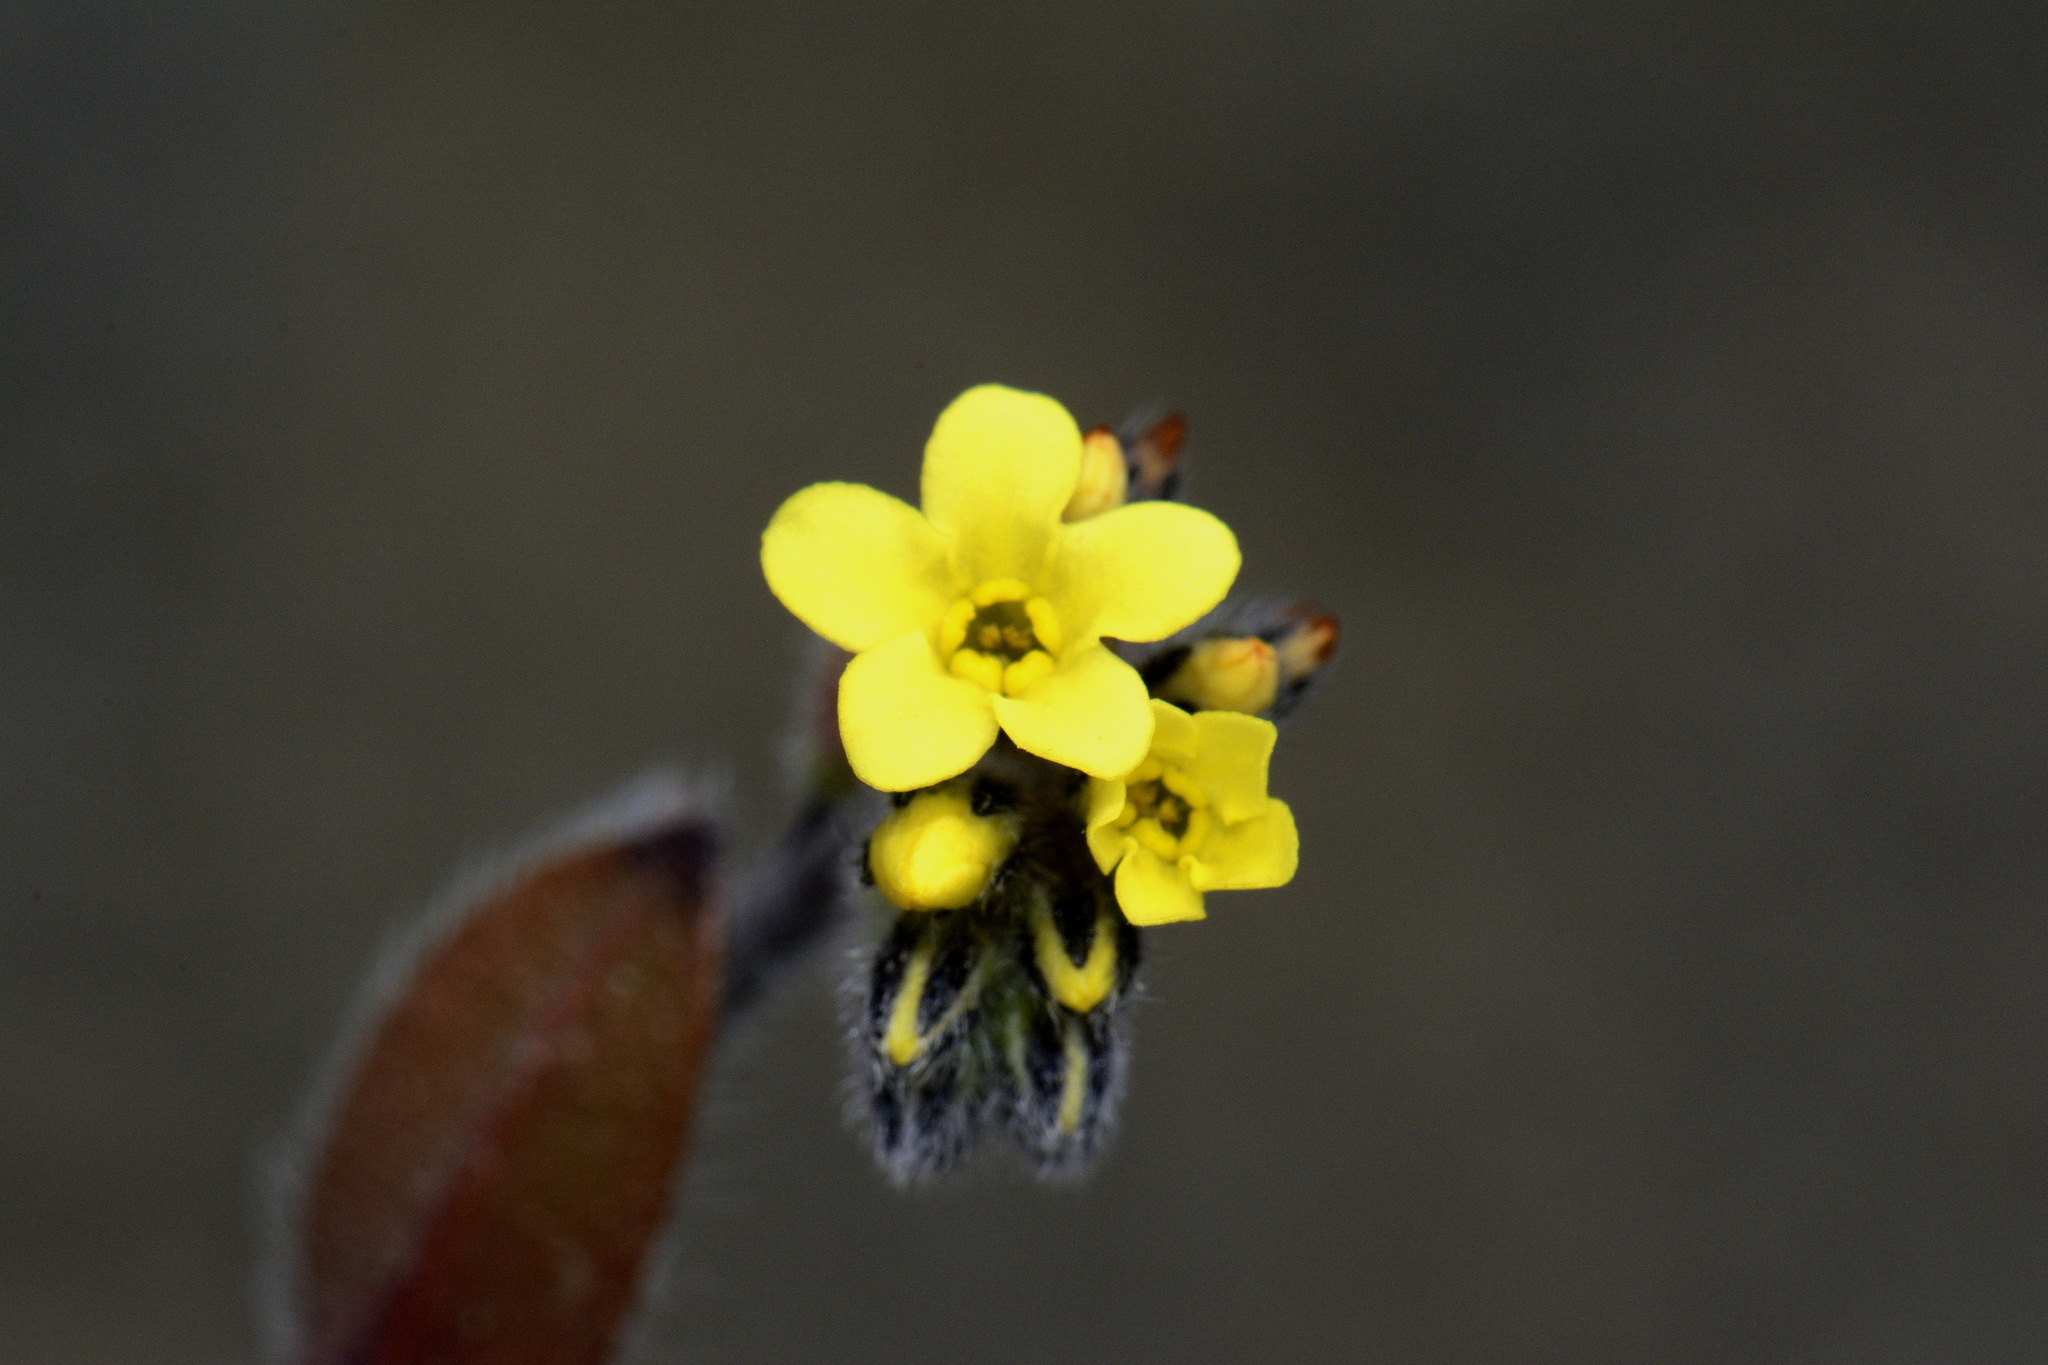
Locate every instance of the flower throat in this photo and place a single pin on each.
(1001, 636)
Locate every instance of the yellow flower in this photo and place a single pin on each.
(1193, 817)
(985, 610)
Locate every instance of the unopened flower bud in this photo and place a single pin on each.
(1226, 675)
(1104, 476)
(935, 853)
(1306, 645)
(1155, 456)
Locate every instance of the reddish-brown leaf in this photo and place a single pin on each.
(499, 1159)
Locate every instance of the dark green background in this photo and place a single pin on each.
(390, 401)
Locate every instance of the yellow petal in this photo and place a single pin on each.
(905, 721)
(1091, 714)
(856, 565)
(1154, 892)
(998, 471)
(1108, 843)
(1142, 572)
(1105, 801)
(1174, 736)
(1261, 851)
(1107, 834)
(1232, 752)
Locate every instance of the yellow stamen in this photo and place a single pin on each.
(1183, 786)
(1001, 637)
(978, 667)
(1045, 624)
(953, 629)
(1026, 671)
(1164, 810)
(1148, 833)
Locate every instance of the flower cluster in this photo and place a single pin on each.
(1075, 736)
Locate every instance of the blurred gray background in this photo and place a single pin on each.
(390, 403)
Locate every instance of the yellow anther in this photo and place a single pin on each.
(1000, 590)
(953, 627)
(1148, 833)
(1026, 671)
(936, 853)
(1164, 810)
(974, 666)
(1080, 988)
(1226, 675)
(1045, 624)
(1105, 478)
(1183, 786)
(1001, 637)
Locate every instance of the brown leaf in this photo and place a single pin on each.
(499, 1159)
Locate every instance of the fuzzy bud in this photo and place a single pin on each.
(935, 853)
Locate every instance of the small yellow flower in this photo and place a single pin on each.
(985, 610)
(1193, 817)
(935, 853)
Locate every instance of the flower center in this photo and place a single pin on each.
(1163, 810)
(1001, 635)
(1002, 629)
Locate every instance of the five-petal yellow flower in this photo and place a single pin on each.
(985, 610)
(1193, 817)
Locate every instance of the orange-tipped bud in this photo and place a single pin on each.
(1241, 674)
(1155, 457)
(1307, 645)
(1105, 478)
